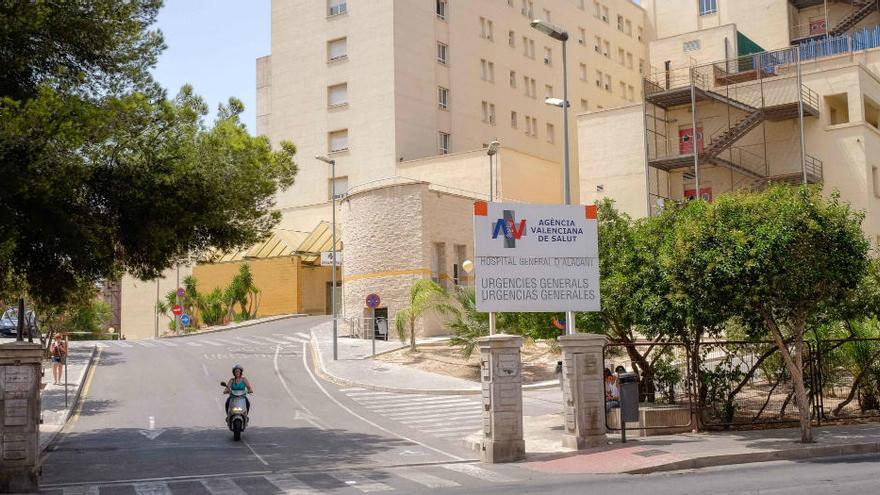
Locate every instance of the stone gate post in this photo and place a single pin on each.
(583, 392)
(20, 364)
(501, 374)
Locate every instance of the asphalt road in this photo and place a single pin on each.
(152, 423)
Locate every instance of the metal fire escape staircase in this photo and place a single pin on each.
(862, 10)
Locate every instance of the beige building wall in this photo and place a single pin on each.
(276, 278)
(766, 22)
(391, 111)
(713, 44)
(138, 303)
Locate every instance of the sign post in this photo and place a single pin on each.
(373, 302)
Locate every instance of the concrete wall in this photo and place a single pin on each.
(277, 279)
(766, 22)
(138, 303)
(717, 43)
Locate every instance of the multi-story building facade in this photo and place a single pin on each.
(375, 84)
(732, 102)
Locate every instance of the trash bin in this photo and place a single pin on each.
(629, 397)
(382, 328)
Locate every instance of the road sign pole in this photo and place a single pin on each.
(491, 323)
(374, 333)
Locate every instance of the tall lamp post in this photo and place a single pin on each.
(560, 34)
(332, 164)
(492, 151)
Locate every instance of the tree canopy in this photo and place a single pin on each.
(102, 172)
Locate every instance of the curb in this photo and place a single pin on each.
(322, 372)
(73, 403)
(751, 457)
(244, 324)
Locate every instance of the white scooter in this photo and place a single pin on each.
(237, 413)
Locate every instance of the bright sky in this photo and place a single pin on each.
(213, 45)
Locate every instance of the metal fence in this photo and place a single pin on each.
(848, 371)
(664, 396)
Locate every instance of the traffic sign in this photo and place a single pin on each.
(177, 309)
(184, 319)
(373, 301)
(180, 292)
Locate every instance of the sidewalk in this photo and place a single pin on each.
(233, 326)
(690, 450)
(354, 368)
(54, 411)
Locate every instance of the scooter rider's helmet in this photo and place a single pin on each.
(237, 367)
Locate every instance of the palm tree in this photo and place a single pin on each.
(424, 296)
(466, 323)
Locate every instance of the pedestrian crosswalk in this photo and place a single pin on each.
(445, 416)
(402, 480)
(223, 340)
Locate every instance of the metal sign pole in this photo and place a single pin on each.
(374, 332)
(491, 323)
(66, 351)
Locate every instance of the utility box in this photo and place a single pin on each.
(20, 372)
(629, 397)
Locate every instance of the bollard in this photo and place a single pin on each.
(20, 365)
(501, 375)
(583, 391)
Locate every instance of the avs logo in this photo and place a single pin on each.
(508, 227)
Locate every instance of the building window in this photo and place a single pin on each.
(442, 97)
(875, 180)
(335, 7)
(599, 77)
(337, 49)
(486, 29)
(708, 7)
(583, 68)
(338, 141)
(622, 90)
(620, 23)
(551, 134)
(492, 113)
(337, 95)
(607, 51)
(547, 15)
(511, 39)
(442, 9)
(585, 105)
(548, 91)
(488, 112)
(442, 53)
(341, 187)
(582, 36)
(641, 33)
(484, 69)
(460, 256)
(513, 120)
(598, 44)
(691, 45)
(527, 8)
(629, 60)
(838, 108)
(629, 28)
(631, 93)
(438, 263)
(621, 58)
(548, 56)
(596, 10)
(513, 79)
(443, 143)
(641, 66)
(605, 15)
(534, 86)
(608, 82)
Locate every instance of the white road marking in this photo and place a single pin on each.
(365, 420)
(211, 342)
(152, 489)
(479, 473)
(356, 389)
(205, 369)
(354, 395)
(273, 341)
(414, 399)
(426, 479)
(362, 483)
(433, 406)
(451, 429)
(304, 335)
(249, 341)
(436, 412)
(258, 456)
(152, 422)
(143, 343)
(123, 344)
(442, 420)
(457, 434)
(222, 486)
(296, 340)
(165, 343)
(290, 393)
(80, 490)
(290, 484)
(194, 344)
(101, 345)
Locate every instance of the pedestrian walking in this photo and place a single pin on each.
(58, 354)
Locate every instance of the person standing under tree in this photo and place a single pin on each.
(58, 354)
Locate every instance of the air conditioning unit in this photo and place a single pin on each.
(598, 50)
(605, 18)
(547, 60)
(582, 42)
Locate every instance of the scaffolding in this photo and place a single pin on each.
(717, 116)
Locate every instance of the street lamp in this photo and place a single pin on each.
(555, 102)
(332, 164)
(493, 149)
(560, 34)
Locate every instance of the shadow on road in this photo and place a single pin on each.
(129, 453)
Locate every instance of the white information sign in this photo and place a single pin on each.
(327, 258)
(535, 258)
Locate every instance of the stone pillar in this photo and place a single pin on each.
(501, 374)
(583, 390)
(20, 366)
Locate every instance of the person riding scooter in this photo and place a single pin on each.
(238, 383)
